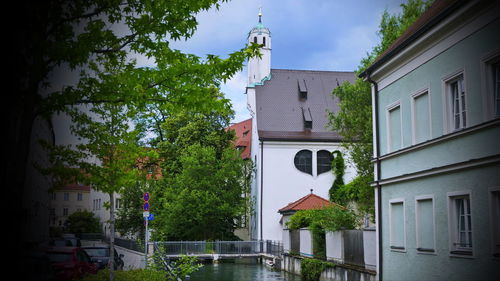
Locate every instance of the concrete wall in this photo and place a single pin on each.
(370, 248)
(306, 245)
(286, 240)
(338, 273)
(334, 246)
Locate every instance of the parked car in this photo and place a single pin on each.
(65, 241)
(70, 263)
(101, 256)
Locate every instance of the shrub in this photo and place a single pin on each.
(128, 275)
(311, 269)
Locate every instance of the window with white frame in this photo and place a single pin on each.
(490, 76)
(495, 220)
(456, 102)
(394, 132)
(424, 210)
(421, 117)
(397, 225)
(460, 224)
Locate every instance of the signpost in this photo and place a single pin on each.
(146, 216)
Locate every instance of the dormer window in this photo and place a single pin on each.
(264, 41)
(302, 89)
(307, 117)
(255, 39)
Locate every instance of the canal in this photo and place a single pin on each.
(241, 272)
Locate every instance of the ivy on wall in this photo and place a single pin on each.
(338, 170)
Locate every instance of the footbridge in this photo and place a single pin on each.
(216, 250)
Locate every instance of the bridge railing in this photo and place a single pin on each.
(220, 247)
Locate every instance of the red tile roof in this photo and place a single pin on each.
(243, 132)
(308, 202)
(75, 187)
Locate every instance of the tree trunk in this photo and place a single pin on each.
(112, 236)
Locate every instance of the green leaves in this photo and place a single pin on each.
(331, 218)
(205, 178)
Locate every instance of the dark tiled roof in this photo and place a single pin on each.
(281, 110)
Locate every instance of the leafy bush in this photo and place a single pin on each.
(128, 275)
(331, 218)
(311, 269)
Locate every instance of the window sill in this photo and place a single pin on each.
(462, 254)
(425, 251)
(398, 249)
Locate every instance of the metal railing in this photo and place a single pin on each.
(220, 247)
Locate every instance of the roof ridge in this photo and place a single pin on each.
(312, 70)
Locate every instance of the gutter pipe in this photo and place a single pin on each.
(377, 170)
(261, 184)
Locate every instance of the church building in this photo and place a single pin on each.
(291, 144)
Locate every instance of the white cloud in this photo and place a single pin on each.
(234, 90)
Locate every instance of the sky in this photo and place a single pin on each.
(329, 35)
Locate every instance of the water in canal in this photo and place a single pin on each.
(240, 272)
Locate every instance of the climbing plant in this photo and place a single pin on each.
(338, 170)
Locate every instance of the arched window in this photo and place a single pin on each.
(303, 161)
(264, 41)
(324, 161)
(255, 39)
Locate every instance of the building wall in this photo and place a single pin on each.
(442, 265)
(284, 183)
(36, 200)
(96, 205)
(445, 162)
(71, 203)
(466, 55)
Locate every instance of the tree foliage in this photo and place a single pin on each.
(353, 121)
(83, 222)
(201, 194)
(331, 218)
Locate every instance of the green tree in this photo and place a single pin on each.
(200, 195)
(129, 219)
(353, 121)
(83, 222)
(87, 37)
(107, 158)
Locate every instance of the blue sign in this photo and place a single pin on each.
(146, 206)
(146, 196)
(151, 217)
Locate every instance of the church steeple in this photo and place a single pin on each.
(259, 69)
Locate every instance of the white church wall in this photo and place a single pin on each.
(283, 183)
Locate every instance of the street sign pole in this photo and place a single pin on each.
(146, 221)
(146, 242)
